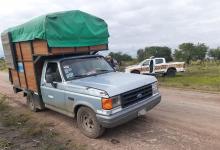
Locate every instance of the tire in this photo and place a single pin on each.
(171, 73)
(88, 124)
(136, 72)
(30, 103)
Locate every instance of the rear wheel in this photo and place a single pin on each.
(88, 124)
(30, 103)
(171, 72)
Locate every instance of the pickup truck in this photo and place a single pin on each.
(88, 88)
(52, 59)
(156, 66)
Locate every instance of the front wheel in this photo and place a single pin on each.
(88, 124)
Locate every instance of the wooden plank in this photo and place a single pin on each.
(9, 52)
(30, 75)
(40, 47)
(22, 80)
(99, 47)
(26, 51)
(15, 78)
(77, 50)
(18, 52)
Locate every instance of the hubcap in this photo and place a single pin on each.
(87, 122)
(31, 104)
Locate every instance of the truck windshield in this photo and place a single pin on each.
(84, 67)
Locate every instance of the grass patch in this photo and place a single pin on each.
(3, 105)
(5, 144)
(41, 135)
(204, 76)
(3, 66)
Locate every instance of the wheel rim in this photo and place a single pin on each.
(31, 104)
(87, 122)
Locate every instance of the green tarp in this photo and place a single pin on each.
(63, 29)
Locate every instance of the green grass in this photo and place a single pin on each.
(204, 76)
(5, 144)
(3, 66)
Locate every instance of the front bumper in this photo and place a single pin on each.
(129, 113)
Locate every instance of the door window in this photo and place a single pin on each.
(159, 61)
(52, 71)
(146, 63)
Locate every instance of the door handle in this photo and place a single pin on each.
(50, 96)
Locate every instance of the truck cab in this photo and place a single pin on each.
(88, 88)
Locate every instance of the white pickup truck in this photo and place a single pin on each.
(156, 66)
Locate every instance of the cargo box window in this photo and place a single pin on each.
(159, 61)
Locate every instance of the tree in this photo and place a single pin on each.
(189, 52)
(119, 56)
(200, 51)
(215, 53)
(178, 55)
(158, 51)
(140, 55)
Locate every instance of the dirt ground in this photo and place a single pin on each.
(183, 120)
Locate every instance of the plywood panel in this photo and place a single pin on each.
(26, 51)
(30, 75)
(40, 47)
(8, 50)
(68, 50)
(22, 80)
(15, 78)
(18, 52)
(99, 47)
(58, 50)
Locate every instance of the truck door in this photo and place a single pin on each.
(145, 66)
(51, 92)
(159, 65)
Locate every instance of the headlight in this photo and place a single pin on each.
(110, 103)
(155, 88)
(116, 101)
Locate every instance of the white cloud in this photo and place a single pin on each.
(132, 24)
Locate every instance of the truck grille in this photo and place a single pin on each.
(136, 95)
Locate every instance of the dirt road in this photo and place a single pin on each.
(183, 120)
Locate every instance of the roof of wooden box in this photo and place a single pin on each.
(63, 29)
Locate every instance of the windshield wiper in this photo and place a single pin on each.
(94, 74)
(80, 76)
(104, 70)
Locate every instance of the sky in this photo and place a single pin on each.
(133, 24)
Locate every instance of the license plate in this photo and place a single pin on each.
(142, 112)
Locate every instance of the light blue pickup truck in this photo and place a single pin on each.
(88, 88)
(53, 60)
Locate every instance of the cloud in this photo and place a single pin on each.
(132, 24)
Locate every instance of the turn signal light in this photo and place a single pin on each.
(107, 103)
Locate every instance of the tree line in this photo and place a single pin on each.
(185, 52)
